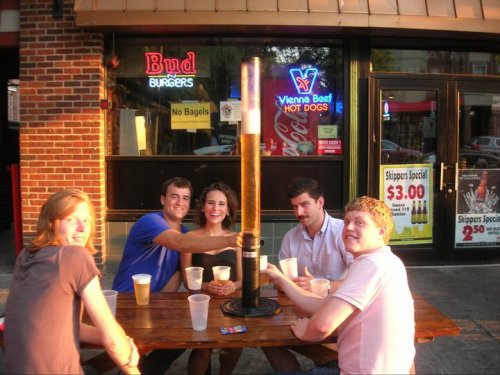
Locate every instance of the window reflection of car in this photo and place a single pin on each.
(392, 153)
(223, 149)
(486, 143)
(214, 150)
(469, 159)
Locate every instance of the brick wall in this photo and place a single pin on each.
(62, 127)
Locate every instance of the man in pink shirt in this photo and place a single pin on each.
(372, 308)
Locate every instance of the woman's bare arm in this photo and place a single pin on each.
(107, 331)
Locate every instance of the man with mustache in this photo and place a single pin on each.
(317, 244)
(316, 241)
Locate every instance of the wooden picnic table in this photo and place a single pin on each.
(166, 323)
(430, 322)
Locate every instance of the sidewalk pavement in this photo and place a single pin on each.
(470, 295)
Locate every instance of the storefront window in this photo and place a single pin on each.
(183, 98)
(437, 62)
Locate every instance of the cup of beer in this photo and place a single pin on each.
(110, 296)
(320, 287)
(194, 277)
(221, 274)
(142, 286)
(289, 267)
(263, 263)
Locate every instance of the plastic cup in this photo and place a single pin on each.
(221, 273)
(289, 267)
(194, 276)
(110, 296)
(263, 263)
(142, 286)
(320, 287)
(198, 307)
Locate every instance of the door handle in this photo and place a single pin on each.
(456, 176)
(442, 184)
(442, 168)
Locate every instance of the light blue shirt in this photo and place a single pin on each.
(324, 255)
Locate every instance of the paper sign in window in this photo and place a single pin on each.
(190, 115)
(230, 111)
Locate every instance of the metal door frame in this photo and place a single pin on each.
(448, 88)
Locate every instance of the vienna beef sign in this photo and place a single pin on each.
(170, 72)
(306, 101)
(291, 115)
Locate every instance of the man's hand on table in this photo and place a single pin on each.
(304, 281)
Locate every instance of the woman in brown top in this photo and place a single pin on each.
(54, 278)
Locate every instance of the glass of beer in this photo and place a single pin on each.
(263, 263)
(221, 274)
(289, 267)
(320, 287)
(194, 277)
(142, 286)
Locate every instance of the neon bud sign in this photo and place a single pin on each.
(170, 72)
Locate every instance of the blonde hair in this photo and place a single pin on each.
(57, 207)
(379, 210)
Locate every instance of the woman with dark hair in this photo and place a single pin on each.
(215, 214)
(54, 278)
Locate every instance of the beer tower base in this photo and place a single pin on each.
(266, 307)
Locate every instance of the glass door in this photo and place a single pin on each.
(408, 150)
(477, 219)
(406, 145)
(435, 160)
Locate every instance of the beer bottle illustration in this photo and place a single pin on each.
(481, 189)
(419, 213)
(425, 219)
(413, 213)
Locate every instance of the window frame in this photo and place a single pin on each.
(328, 167)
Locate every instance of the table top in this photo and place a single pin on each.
(166, 323)
(430, 322)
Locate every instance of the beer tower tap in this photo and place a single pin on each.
(250, 304)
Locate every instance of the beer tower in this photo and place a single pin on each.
(250, 303)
